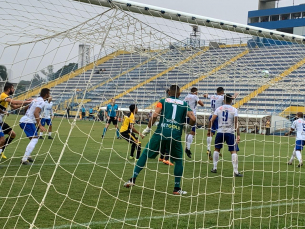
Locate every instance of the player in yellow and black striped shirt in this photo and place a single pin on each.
(127, 132)
(6, 101)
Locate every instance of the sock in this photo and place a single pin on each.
(50, 133)
(215, 158)
(189, 140)
(178, 171)
(41, 133)
(104, 132)
(298, 155)
(235, 162)
(30, 148)
(162, 155)
(117, 133)
(293, 156)
(8, 140)
(140, 164)
(209, 141)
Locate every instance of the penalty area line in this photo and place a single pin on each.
(113, 221)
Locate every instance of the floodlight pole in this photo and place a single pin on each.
(155, 11)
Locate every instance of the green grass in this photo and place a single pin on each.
(87, 186)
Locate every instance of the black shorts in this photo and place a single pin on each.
(111, 119)
(129, 137)
(6, 128)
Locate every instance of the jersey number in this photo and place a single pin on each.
(213, 104)
(225, 115)
(174, 111)
(303, 127)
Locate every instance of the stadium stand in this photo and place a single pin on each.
(208, 69)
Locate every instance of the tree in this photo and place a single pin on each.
(37, 80)
(65, 70)
(49, 72)
(3, 73)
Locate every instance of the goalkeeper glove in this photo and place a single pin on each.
(146, 131)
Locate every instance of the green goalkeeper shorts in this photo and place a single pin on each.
(157, 142)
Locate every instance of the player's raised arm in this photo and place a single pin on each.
(200, 103)
(235, 95)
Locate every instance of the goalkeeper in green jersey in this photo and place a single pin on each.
(173, 113)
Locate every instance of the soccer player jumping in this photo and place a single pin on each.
(216, 101)
(227, 125)
(112, 116)
(192, 99)
(173, 113)
(299, 126)
(31, 121)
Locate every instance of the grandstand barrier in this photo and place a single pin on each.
(279, 125)
(35, 91)
(269, 84)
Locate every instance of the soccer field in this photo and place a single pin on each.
(87, 187)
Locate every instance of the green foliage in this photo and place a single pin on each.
(65, 70)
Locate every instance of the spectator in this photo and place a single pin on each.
(68, 112)
(101, 115)
(91, 113)
(268, 125)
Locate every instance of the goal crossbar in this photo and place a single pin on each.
(196, 19)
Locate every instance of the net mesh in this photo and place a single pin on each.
(88, 54)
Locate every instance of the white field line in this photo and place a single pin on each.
(113, 221)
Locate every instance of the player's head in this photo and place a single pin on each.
(300, 115)
(9, 88)
(45, 93)
(133, 108)
(228, 99)
(194, 90)
(174, 91)
(112, 101)
(220, 91)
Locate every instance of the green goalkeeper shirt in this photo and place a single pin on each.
(172, 117)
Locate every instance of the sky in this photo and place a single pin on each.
(43, 15)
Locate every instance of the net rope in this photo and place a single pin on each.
(77, 177)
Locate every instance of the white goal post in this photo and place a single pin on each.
(194, 19)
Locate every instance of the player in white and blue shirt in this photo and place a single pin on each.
(31, 121)
(227, 126)
(47, 116)
(192, 100)
(299, 126)
(216, 101)
(112, 116)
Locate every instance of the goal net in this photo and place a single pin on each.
(90, 52)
